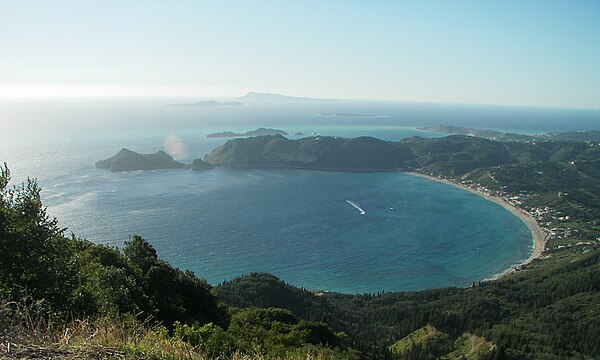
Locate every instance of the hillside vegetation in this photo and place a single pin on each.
(63, 296)
(549, 310)
(452, 155)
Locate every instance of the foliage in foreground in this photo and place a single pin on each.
(66, 295)
(77, 278)
(129, 338)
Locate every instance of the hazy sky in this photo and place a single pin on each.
(541, 53)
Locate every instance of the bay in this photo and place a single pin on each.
(295, 224)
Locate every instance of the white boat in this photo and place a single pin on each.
(362, 212)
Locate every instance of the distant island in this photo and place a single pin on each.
(257, 132)
(127, 160)
(207, 104)
(268, 97)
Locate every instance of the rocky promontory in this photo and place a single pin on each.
(126, 160)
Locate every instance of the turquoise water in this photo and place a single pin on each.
(297, 225)
(416, 233)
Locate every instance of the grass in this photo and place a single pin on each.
(26, 333)
(470, 347)
(420, 338)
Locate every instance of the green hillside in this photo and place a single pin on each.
(64, 297)
(318, 152)
(549, 309)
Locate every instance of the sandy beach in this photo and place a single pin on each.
(538, 234)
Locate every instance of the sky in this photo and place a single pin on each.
(527, 52)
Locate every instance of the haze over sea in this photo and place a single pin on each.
(294, 224)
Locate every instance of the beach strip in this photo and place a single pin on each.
(539, 235)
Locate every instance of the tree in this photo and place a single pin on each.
(139, 253)
(33, 251)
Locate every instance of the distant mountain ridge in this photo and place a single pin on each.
(270, 97)
(207, 104)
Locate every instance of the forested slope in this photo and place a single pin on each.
(64, 297)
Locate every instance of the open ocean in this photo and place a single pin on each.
(295, 224)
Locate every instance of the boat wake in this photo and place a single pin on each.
(362, 212)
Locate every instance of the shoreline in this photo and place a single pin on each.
(538, 234)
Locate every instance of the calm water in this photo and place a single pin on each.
(295, 224)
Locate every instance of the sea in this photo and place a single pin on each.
(295, 224)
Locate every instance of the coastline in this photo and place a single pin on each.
(538, 234)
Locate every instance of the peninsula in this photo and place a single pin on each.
(126, 160)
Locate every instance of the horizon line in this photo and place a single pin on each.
(309, 98)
